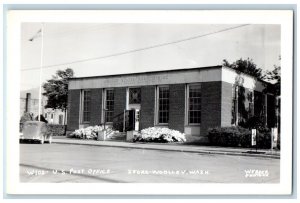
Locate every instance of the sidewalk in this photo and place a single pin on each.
(173, 147)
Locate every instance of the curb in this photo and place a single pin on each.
(178, 150)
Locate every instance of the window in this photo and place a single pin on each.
(109, 105)
(134, 95)
(194, 104)
(86, 106)
(163, 105)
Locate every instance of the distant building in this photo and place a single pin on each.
(54, 116)
(188, 100)
(29, 102)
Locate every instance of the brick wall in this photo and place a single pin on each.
(226, 104)
(147, 107)
(96, 106)
(73, 110)
(177, 107)
(210, 106)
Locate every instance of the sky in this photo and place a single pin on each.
(106, 49)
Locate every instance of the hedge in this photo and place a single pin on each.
(56, 130)
(238, 137)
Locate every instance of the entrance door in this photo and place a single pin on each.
(130, 120)
(134, 104)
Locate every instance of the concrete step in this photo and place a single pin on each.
(117, 136)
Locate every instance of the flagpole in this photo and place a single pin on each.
(41, 72)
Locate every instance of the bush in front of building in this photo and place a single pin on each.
(56, 129)
(160, 135)
(254, 122)
(91, 132)
(237, 136)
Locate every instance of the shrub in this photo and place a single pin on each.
(56, 130)
(264, 140)
(91, 132)
(162, 135)
(237, 136)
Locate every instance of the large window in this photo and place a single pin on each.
(163, 105)
(109, 105)
(86, 106)
(194, 104)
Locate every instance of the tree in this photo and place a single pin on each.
(245, 66)
(56, 90)
(274, 76)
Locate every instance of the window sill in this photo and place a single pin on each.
(162, 124)
(193, 125)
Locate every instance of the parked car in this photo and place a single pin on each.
(36, 131)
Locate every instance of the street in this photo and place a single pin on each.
(66, 163)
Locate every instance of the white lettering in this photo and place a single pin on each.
(36, 172)
(251, 173)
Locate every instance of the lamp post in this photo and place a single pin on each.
(40, 33)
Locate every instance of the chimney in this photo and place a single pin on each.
(27, 104)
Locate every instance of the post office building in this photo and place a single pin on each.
(189, 100)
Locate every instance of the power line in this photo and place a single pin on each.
(140, 49)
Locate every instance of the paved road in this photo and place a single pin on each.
(81, 163)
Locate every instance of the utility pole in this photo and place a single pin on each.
(41, 31)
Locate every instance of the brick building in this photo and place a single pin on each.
(188, 100)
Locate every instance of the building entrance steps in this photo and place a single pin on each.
(116, 136)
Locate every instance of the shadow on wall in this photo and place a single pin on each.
(244, 107)
(250, 104)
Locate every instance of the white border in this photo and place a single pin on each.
(15, 18)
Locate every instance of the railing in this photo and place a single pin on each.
(118, 121)
(122, 122)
